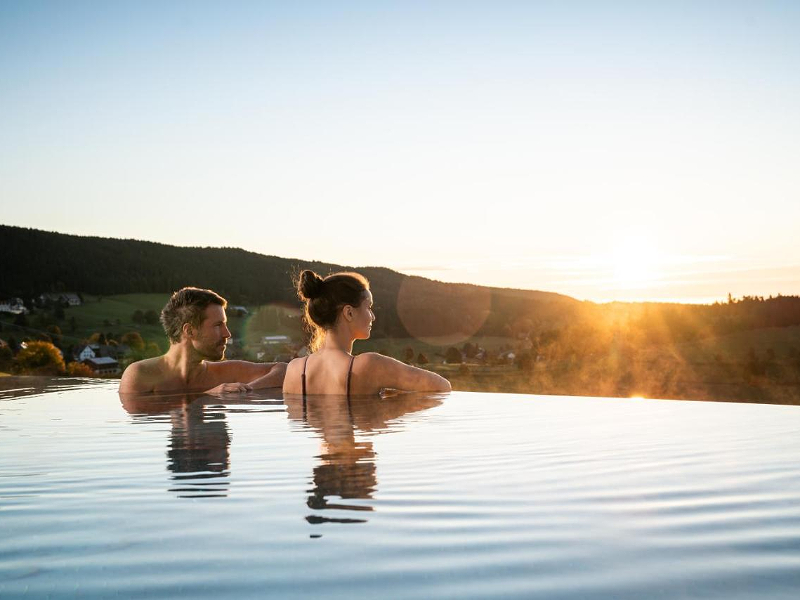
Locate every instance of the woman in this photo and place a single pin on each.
(338, 309)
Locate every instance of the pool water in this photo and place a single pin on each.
(463, 495)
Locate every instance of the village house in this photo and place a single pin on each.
(82, 353)
(111, 350)
(69, 298)
(274, 340)
(103, 365)
(15, 306)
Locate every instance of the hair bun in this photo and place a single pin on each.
(310, 285)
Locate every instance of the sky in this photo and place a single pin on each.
(604, 150)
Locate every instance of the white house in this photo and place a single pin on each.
(69, 298)
(85, 354)
(273, 340)
(14, 306)
(72, 299)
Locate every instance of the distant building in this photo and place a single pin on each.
(103, 365)
(15, 306)
(85, 353)
(109, 350)
(507, 357)
(271, 340)
(115, 351)
(68, 298)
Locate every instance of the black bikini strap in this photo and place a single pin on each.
(349, 374)
(303, 381)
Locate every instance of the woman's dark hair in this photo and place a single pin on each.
(324, 298)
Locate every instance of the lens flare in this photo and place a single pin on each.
(427, 318)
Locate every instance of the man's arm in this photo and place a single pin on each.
(242, 375)
(273, 378)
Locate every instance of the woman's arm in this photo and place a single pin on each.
(391, 373)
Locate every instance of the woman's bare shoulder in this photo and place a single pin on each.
(292, 376)
(295, 365)
(368, 360)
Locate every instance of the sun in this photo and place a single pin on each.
(635, 263)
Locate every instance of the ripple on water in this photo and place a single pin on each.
(472, 496)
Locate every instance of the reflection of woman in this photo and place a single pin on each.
(338, 310)
(347, 467)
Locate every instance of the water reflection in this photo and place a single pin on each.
(17, 386)
(347, 467)
(198, 451)
(198, 454)
(199, 445)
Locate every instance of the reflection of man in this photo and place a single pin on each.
(199, 451)
(195, 323)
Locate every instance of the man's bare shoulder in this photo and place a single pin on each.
(147, 366)
(142, 376)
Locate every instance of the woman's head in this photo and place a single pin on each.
(326, 299)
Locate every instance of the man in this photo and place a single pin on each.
(195, 323)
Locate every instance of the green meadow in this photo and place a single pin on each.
(97, 314)
(761, 364)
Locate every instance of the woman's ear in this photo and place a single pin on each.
(348, 312)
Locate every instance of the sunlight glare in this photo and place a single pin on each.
(635, 263)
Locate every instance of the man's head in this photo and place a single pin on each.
(197, 315)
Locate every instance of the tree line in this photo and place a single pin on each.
(37, 261)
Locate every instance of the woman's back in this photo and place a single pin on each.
(327, 372)
(324, 372)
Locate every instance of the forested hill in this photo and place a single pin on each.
(35, 261)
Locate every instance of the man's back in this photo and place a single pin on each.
(149, 375)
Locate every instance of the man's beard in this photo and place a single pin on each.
(212, 352)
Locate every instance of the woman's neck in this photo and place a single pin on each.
(336, 339)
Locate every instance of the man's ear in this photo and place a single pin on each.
(188, 330)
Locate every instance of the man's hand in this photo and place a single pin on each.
(230, 388)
